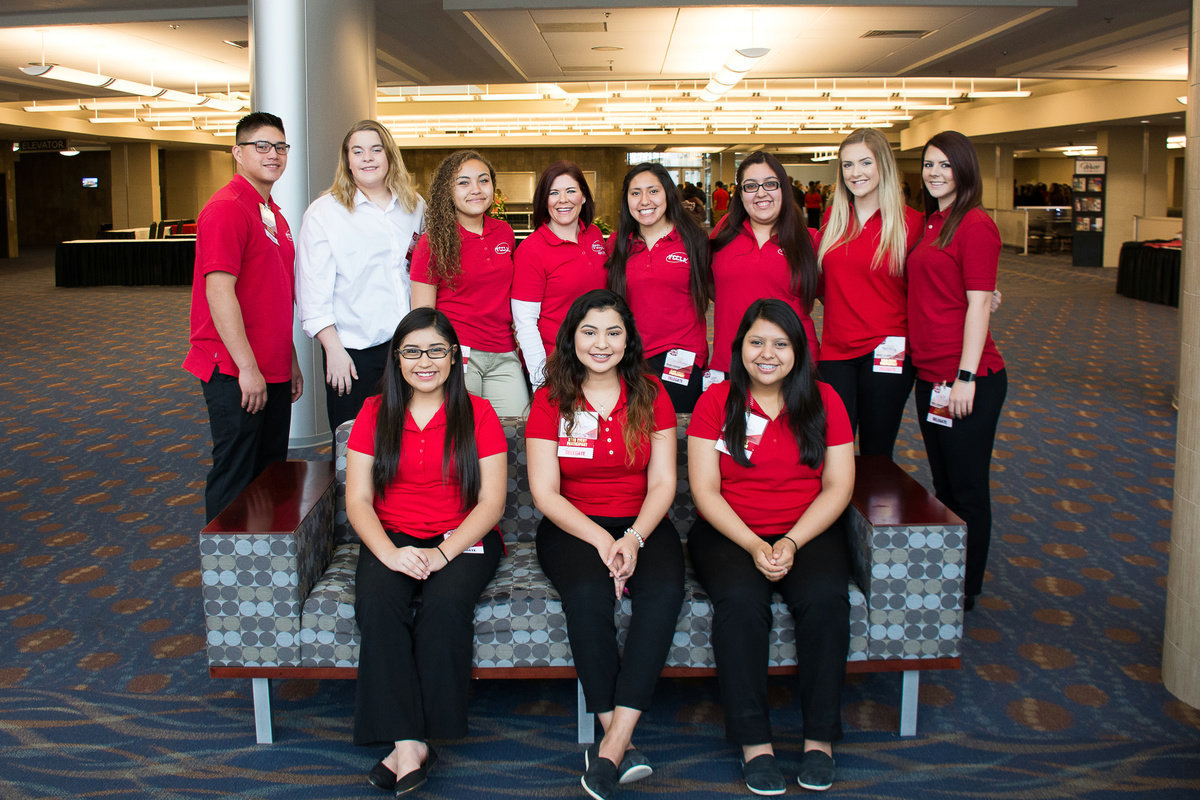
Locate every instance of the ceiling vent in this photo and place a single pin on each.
(1084, 67)
(572, 27)
(895, 34)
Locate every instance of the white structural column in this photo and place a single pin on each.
(996, 174)
(312, 63)
(1181, 636)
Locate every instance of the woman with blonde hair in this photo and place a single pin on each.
(356, 243)
(463, 266)
(866, 235)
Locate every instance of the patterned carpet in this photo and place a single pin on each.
(104, 689)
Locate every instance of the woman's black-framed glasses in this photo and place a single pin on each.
(412, 353)
(770, 184)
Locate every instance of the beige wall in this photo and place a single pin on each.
(135, 192)
(8, 244)
(1043, 170)
(189, 177)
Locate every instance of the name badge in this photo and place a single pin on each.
(710, 377)
(475, 548)
(678, 366)
(755, 425)
(268, 221)
(939, 406)
(466, 354)
(581, 441)
(889, 356)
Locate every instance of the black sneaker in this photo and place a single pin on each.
(762, 775)
(600, 779)
(633, 767)
(816, 771)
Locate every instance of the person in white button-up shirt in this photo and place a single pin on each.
(352, 283)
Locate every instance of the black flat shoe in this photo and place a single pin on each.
(411, 781)
(382, 778)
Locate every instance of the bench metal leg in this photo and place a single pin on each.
(262, 710)
(587, 720)
(909, 689)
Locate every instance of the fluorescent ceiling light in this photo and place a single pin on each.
(131, 87)
(66, 74)
(1010, 93)
(70, 151)
(54, 107)
(111, 120)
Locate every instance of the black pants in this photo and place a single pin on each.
(244, 444)
(610, 678)
(814, 218)
(815, 591)
(874, 400)
(683, 398)
(960, 460)
(369, 364)
(417, 640)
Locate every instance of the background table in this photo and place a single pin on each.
(1149, 271)
(125, 262)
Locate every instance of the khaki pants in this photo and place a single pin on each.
(499, 379)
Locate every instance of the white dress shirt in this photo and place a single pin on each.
(352, 268)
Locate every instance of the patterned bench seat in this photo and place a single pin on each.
(279, 591)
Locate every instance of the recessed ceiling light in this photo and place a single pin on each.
(607, 48)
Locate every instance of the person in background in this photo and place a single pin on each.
(601, 447)
(463, 265)
(961, 378)
(658, 262)
(720, 202)
(771, 468)
(356, 243)
(761, 250)
(563, 258)
(813, 203)
(865, 239)
(243, 292)
(426, 475)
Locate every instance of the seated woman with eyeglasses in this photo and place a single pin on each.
(601, 446)
(426, 477)
(761, 249)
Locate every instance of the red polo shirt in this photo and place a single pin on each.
(720, 199)
(744, 272)
(658, 287)
(604, 485)
(863, 304)
(421, 501)
(477, 302)
(775, 491)
(938, 282)
(554, 271)
(232, 236)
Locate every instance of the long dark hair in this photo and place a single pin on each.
(460, 415)
(968, 191)
(541, 195)
(790, 229)
(801, 397)
(565, 373)
(694, 239)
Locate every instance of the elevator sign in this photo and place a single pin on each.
(42, 145)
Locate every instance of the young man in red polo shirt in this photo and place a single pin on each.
(241, 320)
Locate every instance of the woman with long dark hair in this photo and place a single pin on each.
(352, 265)
(601, 447)
(463, 265)
(865, 240)
(658, 262)
(563, 258)
(761, 249)
(771, 468)
(961, 379)
(426, 477)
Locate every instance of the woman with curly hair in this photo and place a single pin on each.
(352, 265)
(659, 264)
(563, 258)
(463, 266)
(601, 447)
(761, 249)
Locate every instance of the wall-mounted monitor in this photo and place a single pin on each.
(91, 183)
